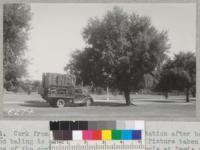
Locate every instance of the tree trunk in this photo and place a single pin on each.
(166, 95)
(193, 92)
(127, 97)
(187, 94)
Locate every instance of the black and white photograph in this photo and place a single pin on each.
(99, 60)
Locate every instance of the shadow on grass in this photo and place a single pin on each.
(111, 104)
(160, 101)
(166, 101)
(44, 104)
(35, 104)
(41, 104)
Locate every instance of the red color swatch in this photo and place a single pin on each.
(96, 134)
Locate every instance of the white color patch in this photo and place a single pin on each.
(77, 135)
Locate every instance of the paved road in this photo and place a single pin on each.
(22, 106)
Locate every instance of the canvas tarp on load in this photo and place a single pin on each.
(61, 80)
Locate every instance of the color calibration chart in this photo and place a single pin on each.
(97, 135)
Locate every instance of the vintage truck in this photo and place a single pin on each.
(59, 90)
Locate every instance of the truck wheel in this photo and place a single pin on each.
(60, 103)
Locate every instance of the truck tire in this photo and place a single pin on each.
(60, 103)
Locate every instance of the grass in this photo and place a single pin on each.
(147, 106)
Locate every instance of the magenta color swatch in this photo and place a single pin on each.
(87, 134)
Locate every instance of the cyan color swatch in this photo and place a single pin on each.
(126, 134)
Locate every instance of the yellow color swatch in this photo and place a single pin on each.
(106, 134)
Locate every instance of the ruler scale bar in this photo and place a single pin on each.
(98, 146)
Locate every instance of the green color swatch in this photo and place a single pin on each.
(116, 134)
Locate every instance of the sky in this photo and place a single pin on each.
(56, 30)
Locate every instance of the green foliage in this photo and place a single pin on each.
(122, 48)
(16, 19)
